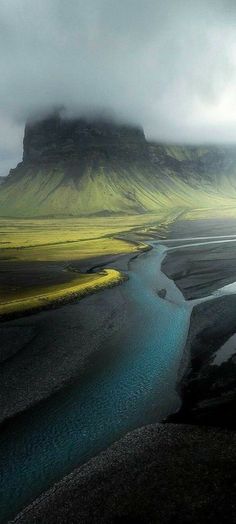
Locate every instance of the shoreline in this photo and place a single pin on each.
(147, 474)
(51, 300)
(208, 305)
(109, 277)
(122, 396)
(207, 388)
(97, 299)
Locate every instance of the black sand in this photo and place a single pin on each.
(160, 474)
(164, 473)
(208, 390)
(198, 271)
(43, 352)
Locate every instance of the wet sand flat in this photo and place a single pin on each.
(208, 386)
(199, 270)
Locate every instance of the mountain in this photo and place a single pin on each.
(78, 167)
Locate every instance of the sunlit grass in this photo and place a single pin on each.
(70, 240)
(42, 298)
(62, 241)
(223, 212)
(38, 232)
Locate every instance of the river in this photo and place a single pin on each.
(75, 424)
(71, 426)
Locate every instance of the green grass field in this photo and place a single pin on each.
(40, 258)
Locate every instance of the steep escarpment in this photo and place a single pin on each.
(79, 142)
(79, 167)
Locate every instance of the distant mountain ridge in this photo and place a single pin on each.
(78, 167)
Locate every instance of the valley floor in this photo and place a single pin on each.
(46, 261)
(202, 255)
(202, 261)
(178, 472)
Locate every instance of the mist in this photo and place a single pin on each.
(169, 66)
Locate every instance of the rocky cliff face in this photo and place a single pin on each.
(53, 141)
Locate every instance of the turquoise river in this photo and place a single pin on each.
(78, 422)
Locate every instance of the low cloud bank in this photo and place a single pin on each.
(167, 65)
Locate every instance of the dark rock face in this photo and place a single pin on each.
(80, 144)
(54, 140)
(160, 474)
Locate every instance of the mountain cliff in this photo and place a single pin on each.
(76, 142)
(79, 167)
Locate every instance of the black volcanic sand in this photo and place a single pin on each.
(158, 474)
(200, 270)
(208, 390)
(41, 353)
(17, 275)
(167, 473)
(202, 227)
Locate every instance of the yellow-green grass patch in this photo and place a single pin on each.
(222, 212)
(78, 287)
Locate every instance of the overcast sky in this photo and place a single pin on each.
(169, 65)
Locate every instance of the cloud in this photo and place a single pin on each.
(11, 134)
(169, 65)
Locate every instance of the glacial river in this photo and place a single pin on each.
(75, 424)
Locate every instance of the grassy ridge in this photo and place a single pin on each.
(37, 299)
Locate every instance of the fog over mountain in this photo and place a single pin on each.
(167, 65)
